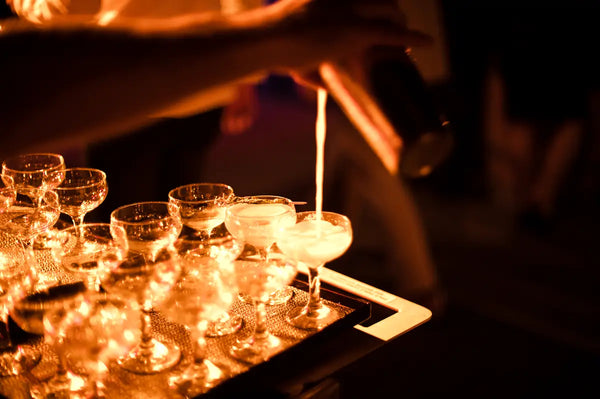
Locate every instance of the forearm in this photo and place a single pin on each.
(99, 81)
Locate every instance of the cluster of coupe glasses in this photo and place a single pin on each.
(188, 258)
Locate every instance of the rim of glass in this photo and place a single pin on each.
(329, 213)
(22, 156)
(101, 172)
(227, 188)
(250, 199)
(171, 209)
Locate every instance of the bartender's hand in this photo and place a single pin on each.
(338, 30)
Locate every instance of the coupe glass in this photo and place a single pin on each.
(31, 214)
(202, 208)
(314, 240)
(82, 190)
(90, 331)
(43, 171)
(258, 279)
(38, 171)
(16, 278)
(78, 249)
(257, 221)
(147, 271)
(204, 290)
(29, 312)
(149, 226)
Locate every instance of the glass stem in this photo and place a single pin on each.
(78, 222)
(260, 328)
(314, 291)
(146, 339)
(200, 345)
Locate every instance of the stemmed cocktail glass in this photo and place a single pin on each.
(28, 312)
(147, 271)
(257, 279)
(149, 226)
(82, 190)
(204, 290)
(261, 232)
(80, 257)
(315, 239)
(44, 171)
(257, 221)
(202, 208)
(37, 171)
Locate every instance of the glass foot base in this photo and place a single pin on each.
(254, 351)
(315, 319)
(158, 356)
(278, 297)
(198, 378)
(68, 386)
(226, 325)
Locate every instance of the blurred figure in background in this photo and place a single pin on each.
(538, 94)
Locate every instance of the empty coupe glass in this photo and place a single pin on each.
(147, 281)
(37, 171)
(149, 226)
(204, 290)
(258, 278)
(201, 207)
(43, 171)
(82, 190)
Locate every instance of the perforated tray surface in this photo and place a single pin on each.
(121, 383)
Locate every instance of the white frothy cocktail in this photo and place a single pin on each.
(315, 242)
(259, 224)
